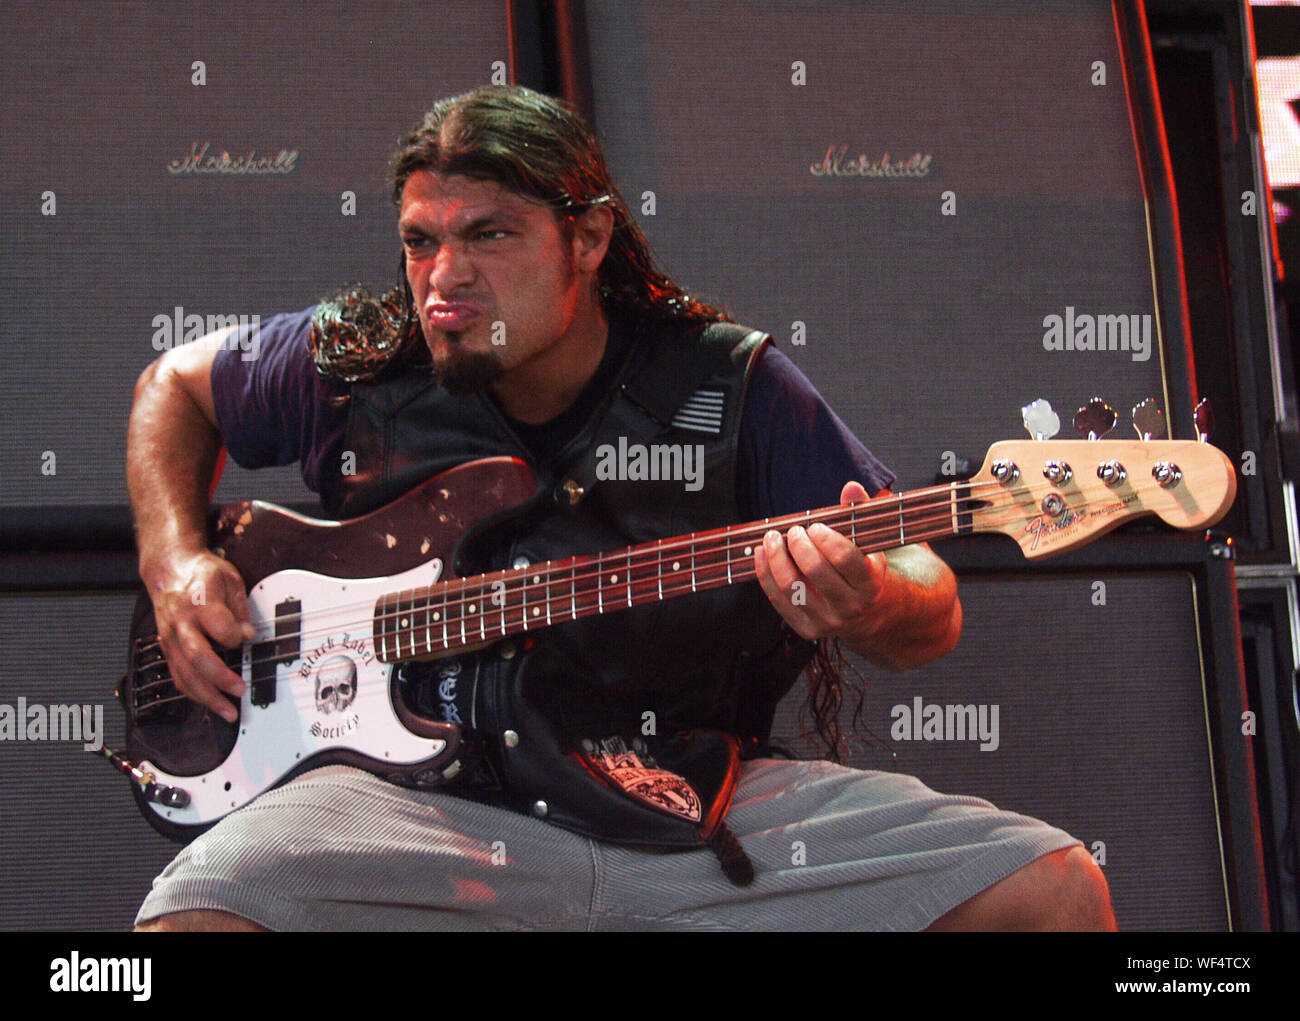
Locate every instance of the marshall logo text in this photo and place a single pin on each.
(197, 161)
(837, 163)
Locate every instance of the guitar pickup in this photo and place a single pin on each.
(286, 647)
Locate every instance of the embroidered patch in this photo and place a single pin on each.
(644, 781)
(702, 411)
(448, 674)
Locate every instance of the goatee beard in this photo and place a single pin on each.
(468, 372)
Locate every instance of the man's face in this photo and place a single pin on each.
(494, 280)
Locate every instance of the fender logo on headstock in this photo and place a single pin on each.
(1048, 528)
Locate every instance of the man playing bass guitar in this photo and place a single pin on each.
(533, 324)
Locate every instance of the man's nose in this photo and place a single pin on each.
(452, 268)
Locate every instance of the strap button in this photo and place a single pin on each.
(540, 809)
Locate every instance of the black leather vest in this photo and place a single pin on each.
(717, 660)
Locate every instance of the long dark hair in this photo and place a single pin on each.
(537, 146)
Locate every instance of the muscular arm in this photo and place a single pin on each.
(898, 609)
(172, 444)
(171, 450)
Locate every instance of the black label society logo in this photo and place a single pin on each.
(335, 683)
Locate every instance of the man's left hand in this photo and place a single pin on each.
(899, 609)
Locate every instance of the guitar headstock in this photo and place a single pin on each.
(1053, 495)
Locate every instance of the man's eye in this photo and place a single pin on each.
(490, 235)
(415, 243)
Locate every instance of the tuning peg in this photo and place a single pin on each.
(1148, 420)
(1203, 418)
(1095, 419)
(1042, 422)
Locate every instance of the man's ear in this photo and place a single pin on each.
(591, 233)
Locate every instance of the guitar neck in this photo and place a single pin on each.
(1050, 496)
(422, 622)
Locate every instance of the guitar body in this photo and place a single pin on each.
(317, 692)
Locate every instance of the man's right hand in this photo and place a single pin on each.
(197, 599)
(171, 454)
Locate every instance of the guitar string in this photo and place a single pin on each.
(165, 700)
(586, 599)
(938, 497)
(943, 504)
(641, 556)
(579, 597)
(649, 555)
(889, 515)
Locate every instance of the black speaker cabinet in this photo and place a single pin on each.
(938, 228)
(1105, 699)
(122, 227)
(166, 163)
(77, 855)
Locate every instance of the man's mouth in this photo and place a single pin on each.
(451, 315)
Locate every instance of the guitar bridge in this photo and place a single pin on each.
(152, 693)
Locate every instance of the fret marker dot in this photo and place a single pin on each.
(613, 578)
(749, 551)
(536, 610)
(536, 578)
(677, 565)
(404, 624)
(471, 608)
(437, 615)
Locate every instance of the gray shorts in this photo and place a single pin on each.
(833, 848)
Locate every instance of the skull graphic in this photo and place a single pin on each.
(336, 684)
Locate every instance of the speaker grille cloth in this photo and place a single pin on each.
(98, 101)
(1101, 726)
(926, 331)
(76, 854)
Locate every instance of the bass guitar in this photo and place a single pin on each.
(337, 605)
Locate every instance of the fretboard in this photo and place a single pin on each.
(470, 611)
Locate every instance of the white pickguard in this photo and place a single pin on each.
(337, 621)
